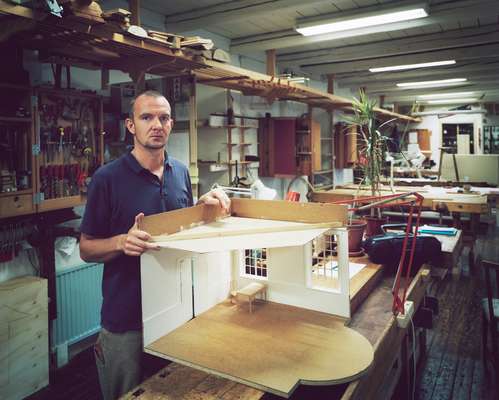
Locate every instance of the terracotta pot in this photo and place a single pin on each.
(374, 225)
(355, 234)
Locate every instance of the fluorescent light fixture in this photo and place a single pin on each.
(412, 66)
(361, 20)
(445, 95)
(443, 82)
(454, 101)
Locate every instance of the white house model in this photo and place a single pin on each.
(295, 334)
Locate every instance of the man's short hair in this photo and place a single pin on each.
(148, 93)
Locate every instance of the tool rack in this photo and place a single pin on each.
(51, 141)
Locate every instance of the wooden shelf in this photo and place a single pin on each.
(302, 131)
(326, 138)
(239, 162)
(303, 153)
(16, 193)
(15, 119)
(239, 144)
(14, 86)
(228, 127)
(62, 202)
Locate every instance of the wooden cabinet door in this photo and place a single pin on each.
(285, 146)
(316, 146)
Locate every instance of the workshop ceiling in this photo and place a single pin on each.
(463, 30)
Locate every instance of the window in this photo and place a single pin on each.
(323, 250)
(255, 263)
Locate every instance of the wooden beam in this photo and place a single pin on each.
(193, 137)
(440, 14)
(468, 70)
(233, 11)
(409, 45)
(465, 53)
(135, 10)
(271, 62)
(104, 79)
(330, 83)
(222, 79)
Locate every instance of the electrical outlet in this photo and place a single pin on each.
(403, 319)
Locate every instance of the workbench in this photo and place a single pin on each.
(373, 319)
(443, 200)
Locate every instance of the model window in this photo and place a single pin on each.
(255, 262)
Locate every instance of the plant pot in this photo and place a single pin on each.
(374, 224)
(355, 233)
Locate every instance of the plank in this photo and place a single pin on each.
(273, 349)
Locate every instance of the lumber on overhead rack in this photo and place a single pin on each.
(105, 45)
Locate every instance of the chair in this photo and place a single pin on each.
(490, 314)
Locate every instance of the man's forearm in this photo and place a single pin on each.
(101, 250)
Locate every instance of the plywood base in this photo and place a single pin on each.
(274, 349)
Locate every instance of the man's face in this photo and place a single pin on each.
(151, 124)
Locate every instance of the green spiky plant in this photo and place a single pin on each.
(372, 143)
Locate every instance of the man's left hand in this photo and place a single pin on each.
(216, 197)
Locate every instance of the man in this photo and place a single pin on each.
(142, 182)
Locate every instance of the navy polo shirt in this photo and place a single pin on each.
(117, 193)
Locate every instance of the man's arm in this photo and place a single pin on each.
(133, 243)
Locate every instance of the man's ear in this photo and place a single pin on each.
(130, 125)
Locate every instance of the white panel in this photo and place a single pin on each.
(240, 242)
(287, 279)
(166, 292)
(212, 280)
(288, 264)
(463, 144)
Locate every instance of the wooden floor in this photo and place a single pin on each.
(452, 369)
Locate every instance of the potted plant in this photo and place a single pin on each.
(372, 145)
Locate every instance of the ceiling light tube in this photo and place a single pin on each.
(373, 18)
(445, 95)
(454, 101)
(412, 66)
(442, 82)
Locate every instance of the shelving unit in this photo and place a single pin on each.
(491, 139)
(48, 150)
(70, 135)
(234, 132)
(17, 183)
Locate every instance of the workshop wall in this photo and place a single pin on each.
(434, 124)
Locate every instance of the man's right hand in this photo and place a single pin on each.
(136, 241)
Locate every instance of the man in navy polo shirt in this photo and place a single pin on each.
(142, 182)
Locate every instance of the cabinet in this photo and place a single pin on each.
(458, 137)
(491, 139)
(17, 183)
(71, 146)
(50, 143)
(345, 145)
(289, 146)
(24, 355)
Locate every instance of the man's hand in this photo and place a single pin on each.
(216, 197)
(135, 242)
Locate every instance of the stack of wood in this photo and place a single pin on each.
(118, 17)
(197, 42)
(169, 39)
